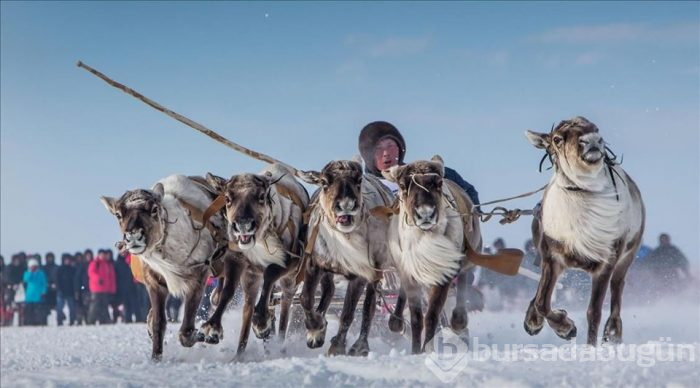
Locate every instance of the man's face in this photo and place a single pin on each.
(386, 154)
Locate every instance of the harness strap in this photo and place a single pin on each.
(290, 194)
(312, 237)
(218, 204)
(202, 218)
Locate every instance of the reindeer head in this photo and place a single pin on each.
(341, 192)
(420, 190)
(574, 146)
(248, 206)
(140, 216)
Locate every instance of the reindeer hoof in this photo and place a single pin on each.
(263, 328)
(210, 333)
(396, 325)
(458, 322)
(212, 339)
(315, 338)
(156, 357)
(359, 349)
(567, 330)
(188, 338)
(337, 347)
(534, 322)
(613, 331)
(532, 329)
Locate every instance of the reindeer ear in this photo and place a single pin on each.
(539, 140)
(217, 182)
(393, 173)
(110, 203)
(158, 190)
(310, 177)
(438, 159)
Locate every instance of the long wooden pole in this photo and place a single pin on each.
(193, 124)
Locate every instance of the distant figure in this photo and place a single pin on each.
(126, 290)
(667, 264)
(82, 285)
(65, 287)
(50, 270)
(35, 279)
(102, 286)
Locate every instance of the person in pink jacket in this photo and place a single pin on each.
(103, 286)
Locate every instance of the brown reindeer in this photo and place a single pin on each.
(264, 223)
(344, 239)
(591, 218)
(159, 227)
(431, 239)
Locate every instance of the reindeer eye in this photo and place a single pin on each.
(118, 215)
(261, 198)
(227, 200)
(154, 211)
(557, 140)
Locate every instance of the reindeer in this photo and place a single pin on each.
(345, 239)
(159, 227)
(264, 223)
(433, 239)
(591, 218)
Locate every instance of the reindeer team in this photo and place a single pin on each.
(262, 231)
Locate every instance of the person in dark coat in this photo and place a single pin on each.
(65, 290)
(50, 270)
(667, 265)
(126, 290)
(82, 285)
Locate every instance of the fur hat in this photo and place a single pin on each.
(32, 263)
(370, 135)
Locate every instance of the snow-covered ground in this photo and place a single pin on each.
(118, 355)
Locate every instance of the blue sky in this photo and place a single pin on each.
(299, 80)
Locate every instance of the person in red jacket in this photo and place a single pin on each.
(103, 286)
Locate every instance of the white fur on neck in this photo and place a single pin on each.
(586, 222)
(430, 257)
(260, 255)
(348, 251)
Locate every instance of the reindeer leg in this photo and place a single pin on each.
(396, 322)
(156, 317)
(361, 346)
(558, 320)
(327, 292)
(613, 326)
(534, 319)
(459, 319)
(263, 321)
(415, 306)
(598, 290)
(315, 323)
(352, 296)
(212, 329)
(188, 332)
(436, 301)
(288, 288)
(251, 283)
